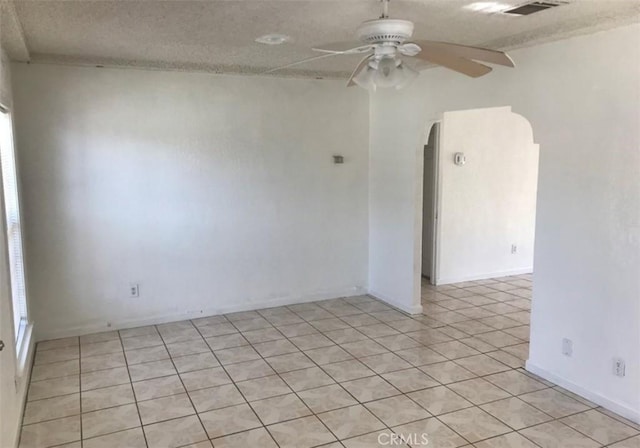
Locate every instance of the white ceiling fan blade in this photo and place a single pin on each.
(344, 48)
(363, 64)
(464, 51)
(455, 63)
(302, 61)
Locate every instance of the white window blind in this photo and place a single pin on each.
(14, 231)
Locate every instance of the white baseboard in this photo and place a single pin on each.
(468, 278)
(84, 329)
(416, 309)
(618, 408)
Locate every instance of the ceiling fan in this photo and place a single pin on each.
(386, 46)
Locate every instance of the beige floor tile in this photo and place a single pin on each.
(226, 341)
(102, 348)
(370, 388)
(131, 438)
(252, 324)
(482, 365)
(175, 433)
(102, 362)
(50, 433)
(236, 354)
(202, 379)
(107, 397)
(511, 440)
(138, 331)
(432, 431)
(554, 403)
(229, 420)
(345, 336)
(506, 359)
(289, 362)
(439, 400)
(410, 380)
(167, 408)
(327, 398)
(99, 337)
(304, 432)
(255, 438)
(474, 424)
(599, 427)
(557, 435)
(146, 355)
(385, 362)
(350, 422)
(56, 355)
(275, 348)
(54, 387)
(219, 329)
(397, 342)
(516, 413)
(397, 410)
(104, 378)
(420, 356)
(249, 370)
(360, 349)
(55, 370)
(311, 341)
(309, 378)
(454, 349)
(633, 442)
(51, 408)
(280, 408)
(328, 355)
(109, 420)
(295, 330)
(381, 438)
(478, 391)
(150, 340)
(183, 335)
(190, 347)
(216, 397)
(260, 388)
(447, 372)
(158, 387)
(58, 343)
(263, 335)
(348, 370)
(199, 361)
(499, 338)
(149, 370)
(514, 382)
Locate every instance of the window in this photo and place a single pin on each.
(14, 231)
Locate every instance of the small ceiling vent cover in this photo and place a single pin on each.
(530, 8)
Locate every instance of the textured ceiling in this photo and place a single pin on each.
(218, 35)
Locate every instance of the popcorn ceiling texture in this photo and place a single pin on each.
(218, 36)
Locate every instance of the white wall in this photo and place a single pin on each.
(582, 97)
(489, 203)
(213, 193)
(14, 367)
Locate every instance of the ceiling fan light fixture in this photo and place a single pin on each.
(365, 78)
(273, 39)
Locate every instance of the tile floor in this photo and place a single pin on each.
(335, 373)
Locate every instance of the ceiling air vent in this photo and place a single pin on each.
(530, 8)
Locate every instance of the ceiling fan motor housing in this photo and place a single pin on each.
(385, 30)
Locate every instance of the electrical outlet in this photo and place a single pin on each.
(567, 347)
(514, 249)
(134, 290)
(619, 367)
